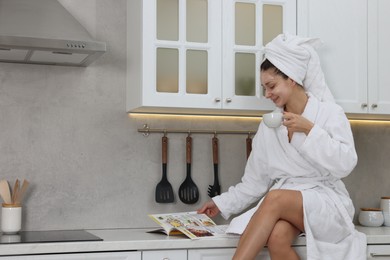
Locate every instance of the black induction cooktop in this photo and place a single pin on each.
(48, 236)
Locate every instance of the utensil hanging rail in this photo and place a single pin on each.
(146, 130)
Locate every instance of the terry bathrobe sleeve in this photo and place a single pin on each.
(254, 184)
(330, 143)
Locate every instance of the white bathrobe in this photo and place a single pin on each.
(312, 164)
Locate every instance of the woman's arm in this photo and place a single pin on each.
(254, 184)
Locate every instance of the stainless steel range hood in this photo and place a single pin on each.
(44, 32)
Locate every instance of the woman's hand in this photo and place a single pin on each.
(209, 208)
(297, 123)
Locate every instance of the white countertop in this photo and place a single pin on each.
(376, 235)
(139, 239)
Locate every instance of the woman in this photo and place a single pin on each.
(296, 168)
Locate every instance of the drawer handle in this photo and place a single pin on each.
(379, 255)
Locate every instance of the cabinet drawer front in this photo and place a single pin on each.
(220, 254)
(227, 253)
(378, 252)
(215, 254)
(81, 256)
(165, 255)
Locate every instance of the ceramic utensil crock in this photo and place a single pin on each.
(385, 206)
(11, 218)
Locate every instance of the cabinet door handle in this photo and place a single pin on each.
(228, 100)
(217, 100)
(374, 106)
(364, 105)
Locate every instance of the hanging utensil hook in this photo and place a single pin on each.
(146, 130)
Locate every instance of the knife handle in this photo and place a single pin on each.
(215, 150)
(188, 148)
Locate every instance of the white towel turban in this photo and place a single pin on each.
(296, 57)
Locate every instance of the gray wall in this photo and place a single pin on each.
(65, 130)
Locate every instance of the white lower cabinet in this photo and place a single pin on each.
(80, 256)
(208, 254)
(378, 252)
(227, 253)
(165, 255)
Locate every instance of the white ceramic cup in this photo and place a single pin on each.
(371, 217)
(385, 206)
(273, 119)
(11, 218)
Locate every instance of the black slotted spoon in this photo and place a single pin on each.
(188, 191)
(164, 191)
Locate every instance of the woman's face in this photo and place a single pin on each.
(276, 87)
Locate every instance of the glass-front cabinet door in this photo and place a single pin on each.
(248, 27)
(202, 54)
(182, 50)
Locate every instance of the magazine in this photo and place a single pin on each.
(191, 224)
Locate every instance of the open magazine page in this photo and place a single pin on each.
(191, 224)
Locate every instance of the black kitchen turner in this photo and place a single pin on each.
(215, 189)
(164, 191)
(188, 191)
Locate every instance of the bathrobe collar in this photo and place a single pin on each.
(310, 112)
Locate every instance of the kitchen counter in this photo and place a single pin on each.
(376, 235)
(139, 239)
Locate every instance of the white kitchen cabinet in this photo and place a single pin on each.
(79, 256)
(247, 27)
(354, 56)
(201, 55)
(215, 254)
(218, 254)
(342, 26)
(227, 253)
(378, 56)
(165, 255)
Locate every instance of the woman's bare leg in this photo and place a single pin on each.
(277, 205)
(280, 240)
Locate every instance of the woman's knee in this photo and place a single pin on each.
(281, 236)
(271, 204)
(282, 198)
(273, 199)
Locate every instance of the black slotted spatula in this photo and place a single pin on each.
(215, 189)
(188, 191)
(164, 191)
